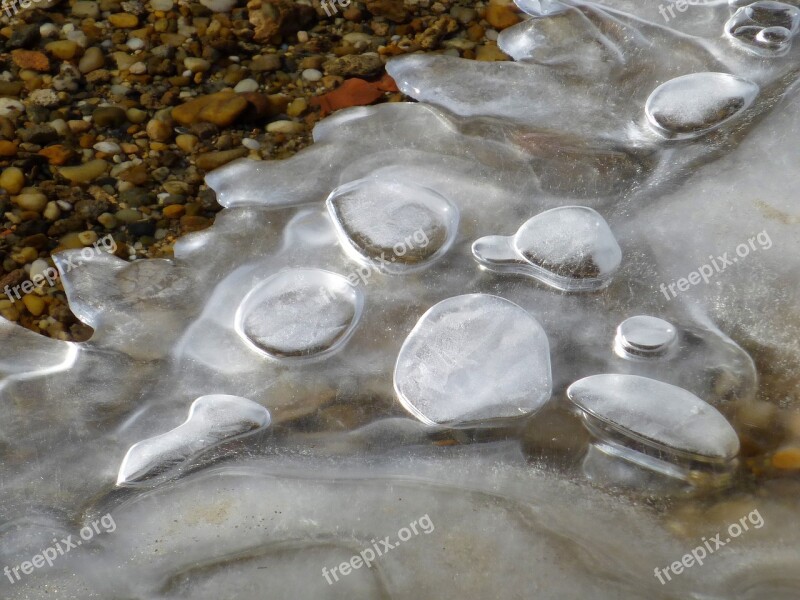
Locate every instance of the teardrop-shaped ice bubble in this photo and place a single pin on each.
(212, 420)
(692, 105)
(764, 28)
(570, 248)
(643, 336)
(299, 313)
(655, 416)
(392, 226)
(473, 358)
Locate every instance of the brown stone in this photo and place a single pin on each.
(8, 148)
(30, 59)
(57, 154)
(274, 19)
(501, 16)
(213, 160)
(394, 10)
(221, 109)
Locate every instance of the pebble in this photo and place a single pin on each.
(501, 16)
(285, 127)
(63, 49)
(297, 107)
(30, 59)
(138, 68)
(265, 62)
(35, 201)
(109, 116)
(213, 160)
(52, 211)
(158, 131)
(10, 107)
(86, 172)
(787, 459)
(312, 75)
(251, 144)
(86, 9)
(196, 65)
(135, 44)
(246, 85)
(107, 147)
(92, 59)
(162, 5)
(186, 142)
(128, 215)
(35, 304)
(87, 238)
(107, 220)
(12, 180)
(218, 6)
(47, 98)
(8, 148)
(221, 109)
(123, 20)
(38, 268)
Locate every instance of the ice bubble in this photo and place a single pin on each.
(212, 420)
(643, 336)
(692, 105)
(299, 313)
(474, 358)
(393, 226)
(570, 248)
(659, 417)
(764, 28)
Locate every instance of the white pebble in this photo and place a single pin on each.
(38, 267)
(302, 37)
(138, 68)
(251, 144)
(135, 44)
(108, 147)
(48, 30)
(312, 75)
(491, 34)
(246, 85)
(9, 106)
(64, 205)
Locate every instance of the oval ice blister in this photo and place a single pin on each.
(692, 105)
(392, 226)
(473, 358)
(299, 313)
(570, 248)
(765, 28)
(656, 426)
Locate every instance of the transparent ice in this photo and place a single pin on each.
(539, 507)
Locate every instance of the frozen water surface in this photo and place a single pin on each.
(682, 134)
